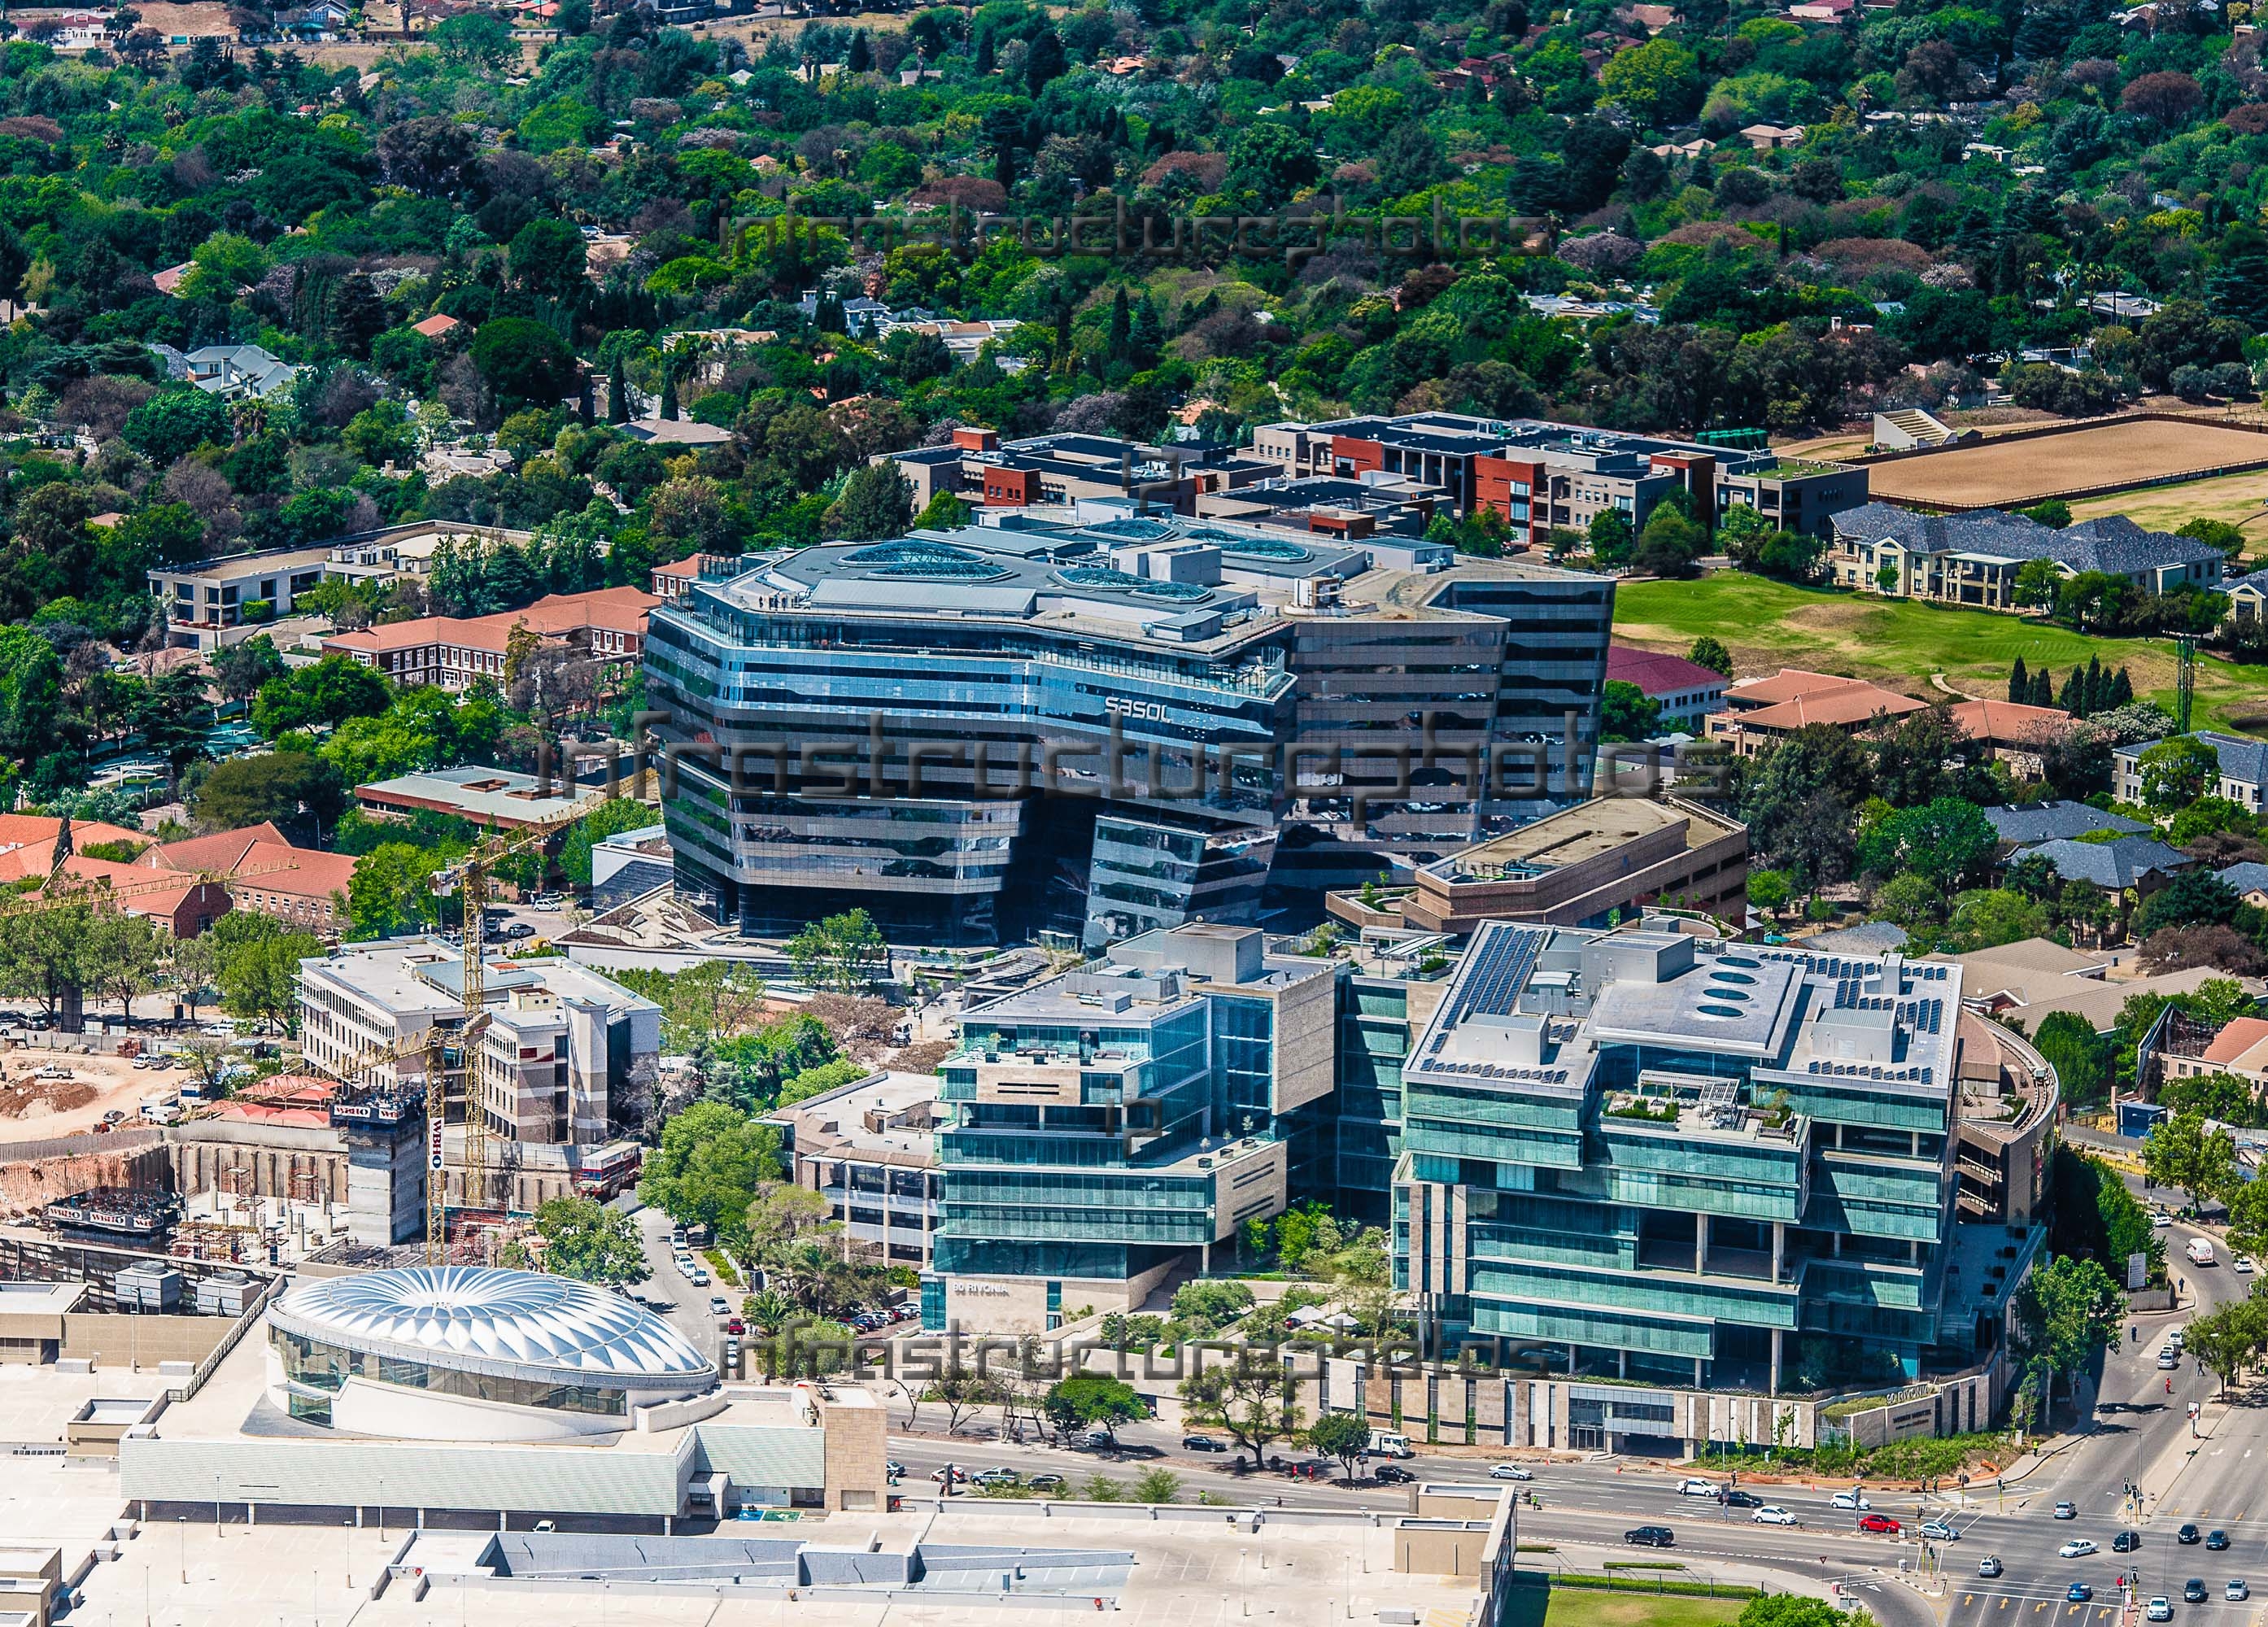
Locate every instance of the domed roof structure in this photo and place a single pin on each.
(479, 1318)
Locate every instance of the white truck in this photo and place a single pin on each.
(2199, 1251)
(1385, 1443)
(162, 1110)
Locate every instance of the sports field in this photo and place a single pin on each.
(2242, 500)
(2003, 474)
(1768, 625)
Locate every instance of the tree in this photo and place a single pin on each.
(2227, 1340)
(1342, 1435)
(1093, 1401)
(2069, 1044)
(707, 1170)
(962, 1393)
(1626, 712)
(782, 1214)
(942, 513)
(1660, 82)
(2177, 772)
(333, 689)
(1249, 1398)
(43, 955)
(167, 428)
(1769, 890)
(241, 668)
(587, 1241)
(1944, 843)
(1707, 651)
(1667, 546)
(1611, 537)
(391, 891)
(845, 952)
(2192, 898)
(121, 956)
(2248, 1220)
(175, 721)
(2066, 1312)
(2181, 1153)
(524, 362)
(877, 502)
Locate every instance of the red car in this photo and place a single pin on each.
(1882, 1524)
(735, 1326)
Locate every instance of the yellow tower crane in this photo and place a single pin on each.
(470, 878)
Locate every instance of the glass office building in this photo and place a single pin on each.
(1104, 726)
(1643, 1157)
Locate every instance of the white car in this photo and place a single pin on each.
(2078, 1548)
(1698, 1488)
(2243, 1265)
(1940, 1531)
(2159, 1609)
(718, 1305)
(1855, 1501)
(1768, 1515)
(1511, 1471)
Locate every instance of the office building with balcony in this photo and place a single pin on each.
(1659, 1160)
(868, 1148)
(1102, 725)
(1538, 474)
(1110, 1128)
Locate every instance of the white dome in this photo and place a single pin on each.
(478, 1319)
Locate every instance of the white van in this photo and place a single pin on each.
(2199, 1251)
(162, 1110)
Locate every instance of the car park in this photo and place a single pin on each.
(2079, 1592)
(2126, 1542)
(1940, 1531)
(1989, 1565)
(2159, 1609)
(2193, 1590)
(2187, 1535)
(1768, 1515)
(2216, 1541)
(2236, 1592)
(1854, 1500)
(1699, 1487)
(2066, 1511)
(1511, 1471)
(2078, 1548)
(1651, 1536)
(1882, 1525)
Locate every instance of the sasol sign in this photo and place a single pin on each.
(1148, 711)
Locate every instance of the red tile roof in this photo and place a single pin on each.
(2007, 723)
(613, 610)
(1658, 674)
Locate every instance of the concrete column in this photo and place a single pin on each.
(1700, 1245)
(1773, 1388)
(421, 1520)
(1622, 1364)
(358, 1516)
(1779, 1251)
(504, 1522)
(251, 1513)
(1697, 1372)
(669, 1522)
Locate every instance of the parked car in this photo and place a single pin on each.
(1940, 1531)
(2243, 1265)
(2078, 1548)
(2193, 1591)
(1201, 1443)
(1046, 1482)
(1510, 1471)
(1855, 1501)
(2216, 1541)
(1768, 1515)
(2187, 1535)
(2159, 1610)
(960, 1475)
(735, 1325)
(998, 1477)
(2066, 1511)
(1699, 1487)
(1651, 1536)
(546, 1525)
(1882, 1525)
(1989, 1565)
(2126, 1542)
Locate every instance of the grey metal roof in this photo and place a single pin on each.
(2051, 822)
(479, 1318)
(2114, 543)
(2109, 865)
(2244, 878)
(2243, 758)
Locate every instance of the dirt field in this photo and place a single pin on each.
(2001, 474)
(98, 1084)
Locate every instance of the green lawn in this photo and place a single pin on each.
(1768, 625)
(2240, 499)
(1581, 1606)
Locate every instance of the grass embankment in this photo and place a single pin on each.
(1768, 625)
(1573, 1607)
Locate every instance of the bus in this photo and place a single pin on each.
(605, 1171)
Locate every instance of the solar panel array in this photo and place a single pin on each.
(1871, 1070)
(1508, 959)
(1498, 1071)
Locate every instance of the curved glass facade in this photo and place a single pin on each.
(314, 1365)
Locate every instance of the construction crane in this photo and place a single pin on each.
(470, 878)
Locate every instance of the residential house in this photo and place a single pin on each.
(234, 372)
(2248, 881)
(2128, 868)
(1771, 138)
(1759, 712)
(2013, 733)
(2243, 767)
(675, 432)
(2248, 600)
(2240, 1048)
(607, 625)
(1686, 691)
(436, 326)
(1974, 558)
(303, 887)
(2032, 824)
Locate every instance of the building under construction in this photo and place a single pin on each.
(124, 1217)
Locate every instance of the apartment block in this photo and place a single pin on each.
(606, 628)
(1646, 1158)
(1974, 558)
(868, 1147)
(1539, 476)
(566, 1055)
(1058, 470)
(2243, 761)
